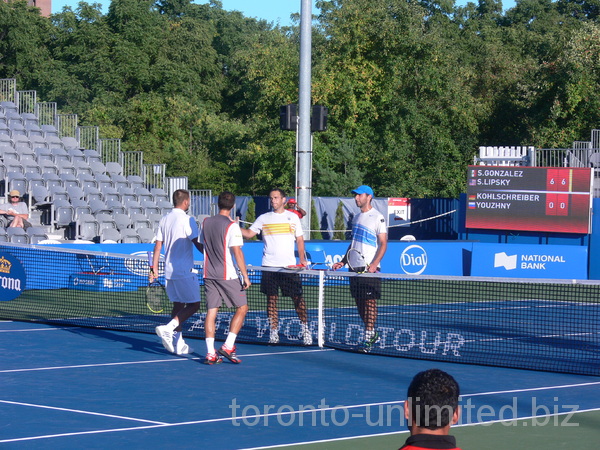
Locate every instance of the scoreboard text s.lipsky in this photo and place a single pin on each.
(553, 199)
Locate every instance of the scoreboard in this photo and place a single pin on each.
(553, 199)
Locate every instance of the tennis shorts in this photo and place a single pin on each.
(289, 283)
(365, 288)
(229, 291)
(183, 290)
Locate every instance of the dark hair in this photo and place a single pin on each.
(281, 192)
(433, 397)
(226, 200)
(179, 196)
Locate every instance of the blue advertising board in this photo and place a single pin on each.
(12, 277)
(412, 258)
(529, 261)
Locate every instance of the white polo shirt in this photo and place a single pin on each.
(279, 233)
(176, 230)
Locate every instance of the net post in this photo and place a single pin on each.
(321, 324)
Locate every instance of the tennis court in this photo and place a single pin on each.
(66, 387)
(83, 367)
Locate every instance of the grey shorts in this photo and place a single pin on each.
(229, 291)
(183, 290)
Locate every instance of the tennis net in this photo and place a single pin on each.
(546, 325)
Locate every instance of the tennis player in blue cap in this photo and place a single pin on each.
(364, 255)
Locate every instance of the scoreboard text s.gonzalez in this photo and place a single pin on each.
(554, 199)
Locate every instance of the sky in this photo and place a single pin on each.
(277, 11)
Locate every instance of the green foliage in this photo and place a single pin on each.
(412, 87)
(339, 223)
(314, 222)
(250, 216)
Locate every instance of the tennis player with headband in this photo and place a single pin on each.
(369, 243)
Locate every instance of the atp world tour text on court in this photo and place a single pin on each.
(520, 412)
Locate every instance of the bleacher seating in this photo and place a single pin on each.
(71, 192)
(17, 235)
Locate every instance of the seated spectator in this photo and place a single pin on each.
(430, 409)
(15, 210)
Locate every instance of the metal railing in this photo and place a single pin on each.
(8, 90)
(26, 101)
(66, 124)
(154, 175)
(132, 163)
(88, 137)
(109, 150)
(201, 202)
(46, 113)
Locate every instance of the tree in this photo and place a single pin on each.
(24, 46)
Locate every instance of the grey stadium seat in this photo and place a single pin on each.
(130, 236)
(87, 227)
(146, 235)
(110, 234)
(17, 235)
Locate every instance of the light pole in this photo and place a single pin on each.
(304, 138)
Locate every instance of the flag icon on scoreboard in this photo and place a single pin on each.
(473, 182)
(472, 205)
(473, 172)
(471, 197)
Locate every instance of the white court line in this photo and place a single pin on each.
(312, 411)
(79, 411)
(152, 361)
(31, 329)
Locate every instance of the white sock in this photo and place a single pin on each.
(303, 327)
(230, 341)
(369, 334)
(210, 345)
(173, 324)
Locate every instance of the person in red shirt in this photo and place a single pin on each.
(430, 409)
(292, 205)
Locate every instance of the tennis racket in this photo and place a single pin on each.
(156, 297)
(156, 294)
(356, 261)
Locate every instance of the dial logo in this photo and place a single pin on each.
(413, 260)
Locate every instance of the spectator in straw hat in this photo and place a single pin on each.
(15, 210)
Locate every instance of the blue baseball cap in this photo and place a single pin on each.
(363, 190)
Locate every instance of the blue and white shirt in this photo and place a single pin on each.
(366, 226)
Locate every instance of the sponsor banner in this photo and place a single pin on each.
(529, 261)
(455, 258)
(412, 258)
(12, 277)
(102, 282)
(428, 258)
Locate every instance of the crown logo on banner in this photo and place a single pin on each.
(5, 265)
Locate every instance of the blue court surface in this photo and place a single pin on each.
(67, 387)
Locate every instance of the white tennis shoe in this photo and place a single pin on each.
(181, 347)
(274, 336)
(307, 338)
(166, 335)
